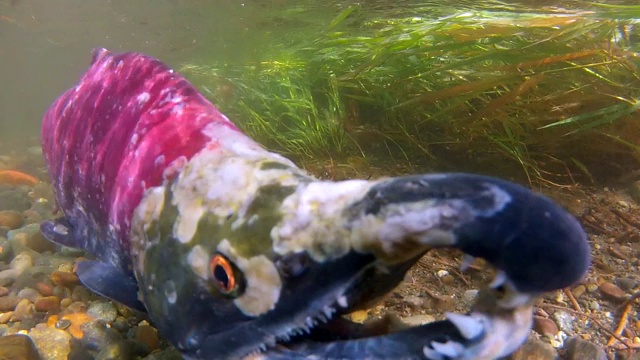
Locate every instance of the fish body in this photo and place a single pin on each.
(232, 249)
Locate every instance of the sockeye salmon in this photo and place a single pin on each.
(234, 252)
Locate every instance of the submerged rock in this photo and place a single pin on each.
(52, 343)
(14, 199)
(579, 349)
(18, 347)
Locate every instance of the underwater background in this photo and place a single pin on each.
(544, 93)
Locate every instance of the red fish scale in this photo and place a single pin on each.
(112, 136)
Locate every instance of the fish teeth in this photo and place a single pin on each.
(431, 354)
(450, 349)
(328, 311)
(500, 279)
(470, 328)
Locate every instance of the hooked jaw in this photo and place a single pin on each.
(534, 244)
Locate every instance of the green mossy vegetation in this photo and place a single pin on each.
(540, 96)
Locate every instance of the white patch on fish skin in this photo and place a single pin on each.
(313, 219)
(187, 222)
(263, 283)
(223, 179)
(198, 259)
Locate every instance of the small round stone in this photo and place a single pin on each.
(11, 219)
(64, 278)
(103, 310)
(147, 335)
(48, 303)
(23, 311)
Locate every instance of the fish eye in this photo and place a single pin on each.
(225, 276)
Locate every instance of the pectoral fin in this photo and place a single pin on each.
(110, 282)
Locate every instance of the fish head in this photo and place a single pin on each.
(238, 255)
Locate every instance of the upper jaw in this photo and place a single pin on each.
(398, 219)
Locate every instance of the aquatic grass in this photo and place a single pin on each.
(471, 90)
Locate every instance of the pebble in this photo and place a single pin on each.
(61, 292)
(579, 349)
(8, 303)
(535, 349)
(52, 343)
(11, 219)
(23, 311)
(5, 317)
(48, 304)
(415, 301)
(448, 279)
(470, 295)
(64, 303)
(544, 326)
(626, 284)
(6, 252)
(14, 199)
(3, 291)
(123, 350)
(18, 347)
(31, 237)
(103, 310)
(44, 288)
(29, 294)
(564, 320)
(17, 266)
(612, 291)
(579, 290)
(97, 335)
(64, 278)
(147, 335)
(592, 287)
(80, 293)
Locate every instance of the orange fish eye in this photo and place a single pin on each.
(223, 274)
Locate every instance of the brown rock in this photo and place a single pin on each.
(23, 311)
(39, 243)
(579, 290)
(44, 288)
(11, 219)
(5, 317)
(64, 303)
(18, 347)
(612, 291)
(544, 326)
(49, 303)
(148, 335)
(3, 291)
(578, 349)
(64, 278)
(535, 349)
(8, 303)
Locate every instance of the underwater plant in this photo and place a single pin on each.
(549, 92)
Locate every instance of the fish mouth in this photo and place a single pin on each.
(495, 326)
